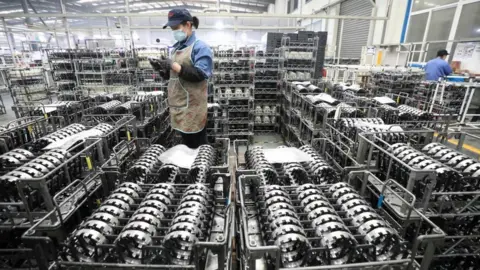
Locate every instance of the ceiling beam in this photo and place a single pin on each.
(266, 2)
(213, 15)
(253, 6)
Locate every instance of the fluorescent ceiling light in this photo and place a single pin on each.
(11, 11)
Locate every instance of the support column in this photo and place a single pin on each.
(107, 22)
(280, 7)
(371, 30)
(10, 45)
(342, 21)
(127, 9)
(28, 20)
(65, 24)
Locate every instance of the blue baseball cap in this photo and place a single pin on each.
(177, 16)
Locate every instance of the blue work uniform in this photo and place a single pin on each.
(437, 68)
(201, 54)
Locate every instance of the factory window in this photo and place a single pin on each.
(289, 7)
(433, 48)
(469, 24)
(295, 4)
(308, 1)
(440, 24)
(427, 4)
(416, 27)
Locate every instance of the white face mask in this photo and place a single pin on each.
(179, 35)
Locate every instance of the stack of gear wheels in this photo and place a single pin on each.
(314, 89)
(327, 109)
(104, 97)
(255, 159)
(15, 158)
(301, 89)
(389, 133)
(295, 174)
(139, 98)
(373, 228)
(142, 227)
(123, 108)
(347, 110)
(36, 168)
(58, 135)
(190, 223)
(167, 173)
(94, 231)
(321, 171)
(467, 166)
(104, 128)
(134, 106)
(206, 157)
(447, 179)
(52, 109)
(285, 227)
(413, 113)
(334, 234)
(347, 126)
(391, 114)
(106, 107)
(13, 136)
(148, 163)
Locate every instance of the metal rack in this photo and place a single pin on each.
(70, 111)
(148, 109)
(258, 250)
(267, 91)
(147, 79)
(395, 81)
(212, 250)
(298, 58)
(63, 69)
(28, 85)
(445, 97)
(26, 130)
(233, 85)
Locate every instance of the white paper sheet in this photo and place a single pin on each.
(179, 155)
(325, 98)
(384, 100)
(286, 155)
(210, 105)
(392, 128)
(72, 140)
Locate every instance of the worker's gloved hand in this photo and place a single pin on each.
(161, 64)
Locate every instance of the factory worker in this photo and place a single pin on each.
(438, 67)
(187, 70)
